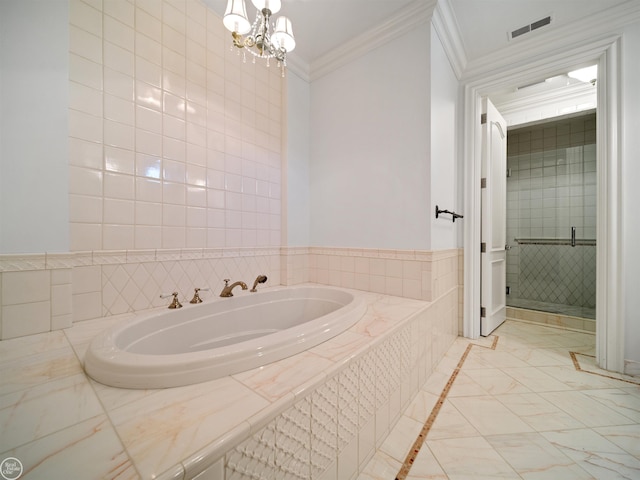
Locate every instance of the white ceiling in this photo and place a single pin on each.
(322, 25)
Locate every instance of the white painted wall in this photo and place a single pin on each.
(631, 193)
(370, 149)
(444, 134)
(297, 161)
(34, 85)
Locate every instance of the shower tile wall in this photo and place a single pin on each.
(551, 187)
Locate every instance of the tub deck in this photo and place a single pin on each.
(57, 420)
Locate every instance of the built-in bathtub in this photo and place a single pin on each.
(203, 342)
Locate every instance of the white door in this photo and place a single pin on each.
(493, 262)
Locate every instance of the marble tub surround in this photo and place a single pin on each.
(350, 389)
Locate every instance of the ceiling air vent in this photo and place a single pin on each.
(529, 28)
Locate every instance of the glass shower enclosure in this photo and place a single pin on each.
(551, 216)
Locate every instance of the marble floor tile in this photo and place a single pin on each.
(466, 386)
(534, 457)
(467, 458)
(495, 382)
(539, 413)
(425, 467)
(489, 416)
(588, 364)
(618, 400)
(421, 406)
(585, 409)
(578, 380)
(487, 358)
(400, 439)
(595, 454)
(450, 423)
(539, 357)
(436, 382)
(380, 467)
(626, 437)
(520, 408)
(535, 379)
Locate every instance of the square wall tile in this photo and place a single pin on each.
(26, 287)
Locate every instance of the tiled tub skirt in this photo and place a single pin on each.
(330, 426)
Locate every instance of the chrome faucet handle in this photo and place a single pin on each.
(196, 296)
(174, 303)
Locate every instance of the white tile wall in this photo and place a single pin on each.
(175, 142)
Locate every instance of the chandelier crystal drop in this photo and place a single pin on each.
(262, 39)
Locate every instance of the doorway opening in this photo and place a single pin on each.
(551, 222)
(609, 325)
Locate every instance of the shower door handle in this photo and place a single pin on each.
(573, 236)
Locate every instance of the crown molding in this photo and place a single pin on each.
(446, 26)
(415, 14)
(581, 31)
(299, 67)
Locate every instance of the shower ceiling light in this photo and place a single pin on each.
(261, 39)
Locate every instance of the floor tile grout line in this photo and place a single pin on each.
(426, 427)
(576, 364)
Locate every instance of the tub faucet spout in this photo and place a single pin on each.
(226, 291)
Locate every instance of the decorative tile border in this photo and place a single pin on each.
(50, 261)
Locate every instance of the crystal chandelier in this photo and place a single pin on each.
(261, 39)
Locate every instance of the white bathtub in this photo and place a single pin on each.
(221, 337)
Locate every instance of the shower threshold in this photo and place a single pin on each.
(565, 316)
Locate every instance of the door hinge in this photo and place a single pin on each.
(483, 247)
(483, 182)
(483, 312)
(483, 119)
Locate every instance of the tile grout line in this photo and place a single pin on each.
(422, 436)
